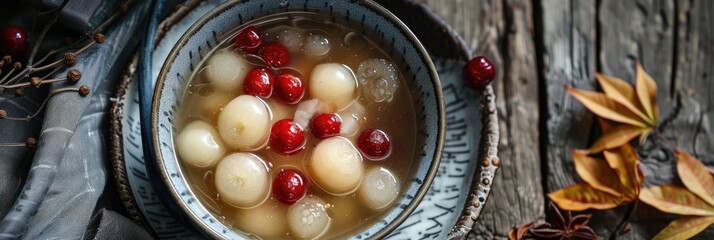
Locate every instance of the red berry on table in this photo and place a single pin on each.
(259, 82)
(374, 144)
(13, 41)
(286, 137)
(326, 125)
(249, 40)
(276, 55)
(289, 88)
(289, 186)
(478, 72)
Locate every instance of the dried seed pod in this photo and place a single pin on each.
(3, 113)
(99, 38)
(70, 59)
(7, 59)
(19, 92)
(36, 82)
(31, 142)
(74, 75)
(17, 65)
(84, 90)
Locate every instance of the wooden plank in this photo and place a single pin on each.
(673, 40)
(516, 196)
(568, 58)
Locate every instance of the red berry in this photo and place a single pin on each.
(13, 41)
(287, 137)
(374, 144)
(289, 88)
(289, 186)
(326, 125)
(259, 82)
(479, 72)
(276, 55)
(249, 40)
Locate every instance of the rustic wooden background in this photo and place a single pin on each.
(540, 45)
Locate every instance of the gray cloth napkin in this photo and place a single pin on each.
(68, 172)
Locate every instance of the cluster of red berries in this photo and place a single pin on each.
(286, 136)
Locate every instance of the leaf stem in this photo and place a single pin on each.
(625, 220)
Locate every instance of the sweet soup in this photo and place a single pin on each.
(297, 128)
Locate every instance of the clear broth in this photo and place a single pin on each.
(397, 118)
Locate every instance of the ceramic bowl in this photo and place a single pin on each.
(376, 23)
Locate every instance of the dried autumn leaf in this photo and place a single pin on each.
(582, 196)
(677, 200)
(605, 107)
(597, 173)
(624, 161)
(623, 93)
(684, 228)
(695, 176)
(647, 92)
(615, 137)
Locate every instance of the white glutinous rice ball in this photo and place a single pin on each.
(317, 45)
(336, 166)
(333, 83)
(308, 218)
(199, 144)
(268, 220)
(244, 123)
(379, 188)
(242, 180)
(226, 70)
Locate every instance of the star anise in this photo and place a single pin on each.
(557, 226)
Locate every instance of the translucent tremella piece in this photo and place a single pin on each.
(379, 79)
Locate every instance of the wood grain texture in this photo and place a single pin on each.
(568, 58)
(503, 31)
(674, 40)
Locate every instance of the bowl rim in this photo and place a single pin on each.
(401, 26)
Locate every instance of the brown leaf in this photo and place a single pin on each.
(615, 137)
(597, 173)
(684, 228)
(695, 176)
(582, 196)
(647, 92)
(605, 107)
(677, 200)
(624, 161)
(623, 93)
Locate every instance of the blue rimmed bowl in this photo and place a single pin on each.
(377, 24)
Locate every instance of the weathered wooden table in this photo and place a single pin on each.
(540, 45)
